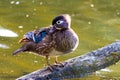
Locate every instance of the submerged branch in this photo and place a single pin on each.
(79, 66)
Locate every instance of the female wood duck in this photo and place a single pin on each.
(55, 40)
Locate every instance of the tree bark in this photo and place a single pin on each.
(80, 66)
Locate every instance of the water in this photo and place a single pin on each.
(97, 23)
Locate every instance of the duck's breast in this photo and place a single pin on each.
(66, 41)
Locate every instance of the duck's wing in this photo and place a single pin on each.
(35, 36)
(38, 36)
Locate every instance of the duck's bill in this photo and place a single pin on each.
(52, 29)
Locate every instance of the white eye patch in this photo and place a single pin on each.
(59, 22)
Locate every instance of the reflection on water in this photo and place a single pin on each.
(97, 23)
(7, 33)
(13, 2)
(4, 46)
(106, 70)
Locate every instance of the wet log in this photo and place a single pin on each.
(80, 66)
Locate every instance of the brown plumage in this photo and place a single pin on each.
(60, 39)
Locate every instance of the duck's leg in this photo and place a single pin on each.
(56, 60)
(50, 67)
(54, 67)
(47, 60)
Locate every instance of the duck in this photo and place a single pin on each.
(52, 41)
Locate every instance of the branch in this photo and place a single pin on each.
(79, 66)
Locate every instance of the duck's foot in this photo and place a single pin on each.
(52, 68)
(60, 64)
(56, 67)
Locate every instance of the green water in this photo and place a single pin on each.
(97, 23)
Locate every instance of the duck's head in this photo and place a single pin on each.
(62, 22)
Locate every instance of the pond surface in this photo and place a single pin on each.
(97, 23)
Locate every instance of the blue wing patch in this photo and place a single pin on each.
(32, 36)
(29, 35)
(40, 37)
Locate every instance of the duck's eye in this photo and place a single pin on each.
(59, 22)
